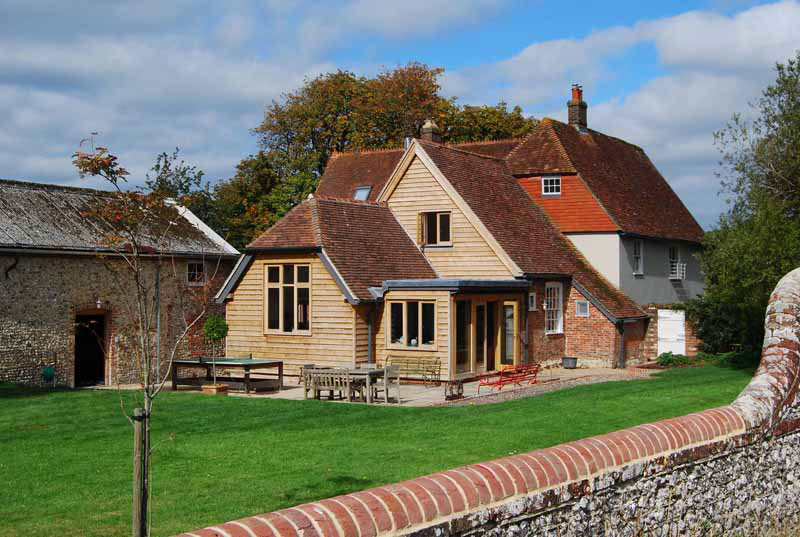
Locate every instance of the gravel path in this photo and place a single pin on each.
(551, 385)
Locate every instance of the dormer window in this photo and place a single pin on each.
(362, 193)
(551, 185)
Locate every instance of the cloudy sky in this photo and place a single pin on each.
(150, 76)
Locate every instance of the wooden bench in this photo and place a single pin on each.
(317, 381)
(515, 375)
(429, 369)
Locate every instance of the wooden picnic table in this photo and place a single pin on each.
(245, 364)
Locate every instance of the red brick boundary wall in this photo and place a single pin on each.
(725, 464)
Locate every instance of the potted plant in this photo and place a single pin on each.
(215, 329)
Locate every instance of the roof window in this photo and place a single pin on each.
(362, 193)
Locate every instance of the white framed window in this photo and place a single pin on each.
(551, 185)
(638, 256)
(361, 193)
(412, 324)
(433, 229)
(287, 299)
(532, 306)
(195, 273)
(677, 270)
(553, 314)
(581, 308)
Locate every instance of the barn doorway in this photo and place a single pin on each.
(90, 360)
(671, 331)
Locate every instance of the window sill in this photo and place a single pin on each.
(395, 347)
(288, 334)
(551, 195)
(554, 333)
(435, 246)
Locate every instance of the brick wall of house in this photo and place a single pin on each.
(40, 298)
(594, 340)
(544, 348)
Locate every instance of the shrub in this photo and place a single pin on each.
(668, 359)
(215, 328)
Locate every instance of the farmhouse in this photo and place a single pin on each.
(478, 255)
(61, 306)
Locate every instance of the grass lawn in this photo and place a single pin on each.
(66, 465)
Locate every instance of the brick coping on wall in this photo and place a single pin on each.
(426, 502)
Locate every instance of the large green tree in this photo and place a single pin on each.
(758, 240)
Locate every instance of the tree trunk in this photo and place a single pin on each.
(140, 466)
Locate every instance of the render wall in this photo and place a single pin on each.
(654, 286)
(602, 250)
(42, 294)
(731, 469)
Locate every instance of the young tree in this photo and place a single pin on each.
(138, 231)
(758, 239)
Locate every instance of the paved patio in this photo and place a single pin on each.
(413, 394)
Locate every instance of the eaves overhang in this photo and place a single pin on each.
(451, 285)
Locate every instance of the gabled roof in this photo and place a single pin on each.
(620, 175)
(362, 240)
(347, 171)
(41, 217)
(521, 227)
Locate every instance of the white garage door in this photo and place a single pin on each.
(671, 332)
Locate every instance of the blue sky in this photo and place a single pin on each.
(151, 75)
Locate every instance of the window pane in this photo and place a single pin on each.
(412, 323)
(362, 193)
(507, 356)
(428, 324)
(302, 273)
(288, 308)
(288, 274)
(462, 336)
(274, 274)
(480, 332)
(273, 308)
(444, 227)
(431, 228)
(303, 308)
(397, 323)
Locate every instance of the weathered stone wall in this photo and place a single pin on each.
(732, 470)
(42, 294)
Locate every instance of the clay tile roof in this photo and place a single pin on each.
(51, 217)
(520, 226)
(347, 171)
(363, 240)
(621, 176)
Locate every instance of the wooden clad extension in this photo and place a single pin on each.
(470, 255)
(331, 342)
(441, 348)
(575, 210)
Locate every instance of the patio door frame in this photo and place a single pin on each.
(477, 300)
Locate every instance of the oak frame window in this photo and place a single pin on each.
(412, 324)
(434, 228)
(287, 299)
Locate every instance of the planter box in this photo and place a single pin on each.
(215, 389)
(569, 362)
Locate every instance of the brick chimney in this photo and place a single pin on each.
(431, 132)
(577, 108)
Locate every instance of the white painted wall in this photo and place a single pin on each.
(602, 250)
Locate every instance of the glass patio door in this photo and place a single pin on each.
(508, 334)
(463, 339)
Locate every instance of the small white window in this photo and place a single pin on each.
(638, 257)
(532, 302)
(581, 308)
(551, 186)
(553, 315)
(195, 273)
(362, 193)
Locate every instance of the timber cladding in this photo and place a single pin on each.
(331, 341)
(470, 256)
(728, 470)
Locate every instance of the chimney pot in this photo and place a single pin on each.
(577, 108)
(431, 132)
